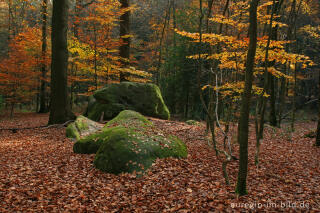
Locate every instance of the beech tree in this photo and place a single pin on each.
(60, 110)
(43, 97)
(318, 127)
(243, 128)
(124, 50)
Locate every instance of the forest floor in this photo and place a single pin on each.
(39, 172)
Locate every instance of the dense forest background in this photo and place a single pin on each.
(164, 49)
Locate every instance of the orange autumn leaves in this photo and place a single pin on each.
(20, 75)
(93, 52)
(229, 50)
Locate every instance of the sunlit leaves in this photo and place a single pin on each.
(313, 32)
(20, 70)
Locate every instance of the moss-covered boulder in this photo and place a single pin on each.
(193, 122)
(311, 134)
(82, 127)
(91, 143)
(131, 143)
(109, 101)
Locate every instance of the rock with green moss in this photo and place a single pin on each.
(109, 101)
(311, 134)
(91, 143)
(193, 122)
(129, 118)
(82, 127)
(130, 143)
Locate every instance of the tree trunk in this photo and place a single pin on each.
(282, 96)
(124, 50)
(284, 83)
(243, 130)
(43, 106)
(273, 115)
(166, 22)
(12, 110)
(60, 111)
(95, 58)
(293, 118)
(9, 21)
(318, 128)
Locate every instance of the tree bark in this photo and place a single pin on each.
(318, 127)
(273, 114)
(43, 106)
(243, 129)
(60, 110)
(124, 50)
(284, 82)
(293, 118)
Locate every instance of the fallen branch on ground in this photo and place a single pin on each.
(15, 130)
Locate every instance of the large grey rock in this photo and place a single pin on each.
(81, 128)
(109, 101)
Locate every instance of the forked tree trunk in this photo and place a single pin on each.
(60, 110)
(243, 129)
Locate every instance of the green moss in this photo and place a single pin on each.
(192, 122)
(134, 145)
(123, 153)
(176, 148)
(81, 123)
(126, 117)
(91, 143)
(114, 98)
(81, 127)
(95, 111)
(311, 134)
(128, 143)
(161, 108)
(72, 131)
(128, 151)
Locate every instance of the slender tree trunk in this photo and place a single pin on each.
(95, 58)
(291, 22)
(282, 96)
(9, 20)
(12, 110)
(60, 111)
(294, 99)
(211, 104)
(262, 101)
(124, 50)
(273, 115)
(43, 106)
(243, 130)
(167, 19)
(273, 97)
(318, 127)
(210, 5)
(174, 86)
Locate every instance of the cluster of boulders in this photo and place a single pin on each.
(129, 143)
